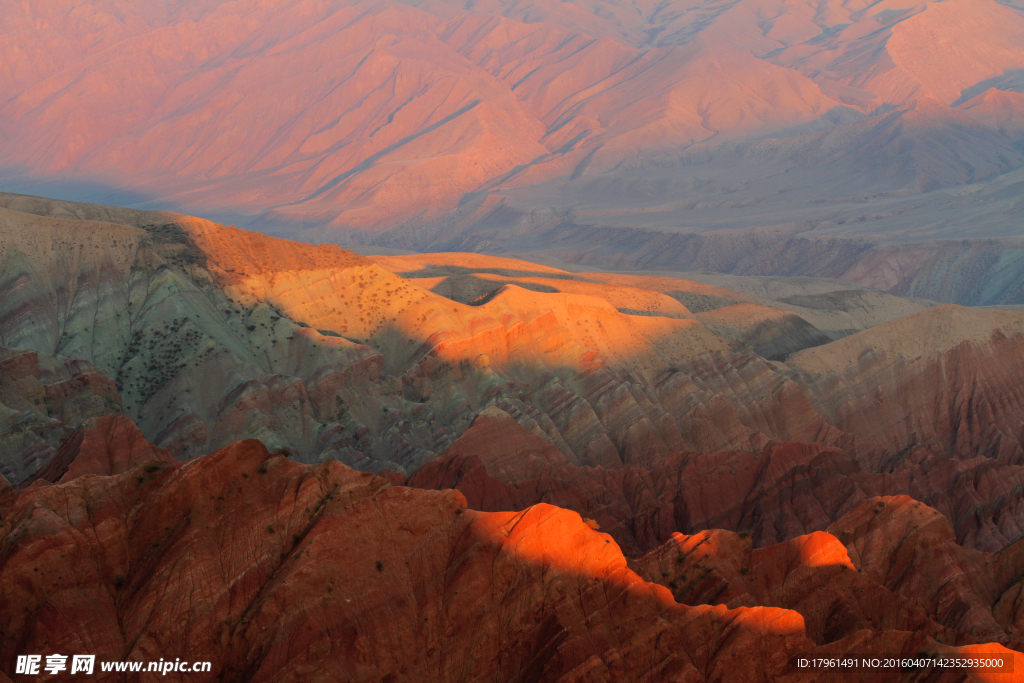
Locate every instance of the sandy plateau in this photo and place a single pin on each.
(299, 461)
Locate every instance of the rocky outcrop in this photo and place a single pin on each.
(889, 563)
(106, 445)
(69, 390)
(275, 571)
(809, 574)
(911, 549)
(42, 400)
(499, 465)
(778, 492)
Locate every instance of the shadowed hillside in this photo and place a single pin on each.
(803, 465)
(203, 334)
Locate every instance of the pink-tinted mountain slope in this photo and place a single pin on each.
(494, 126)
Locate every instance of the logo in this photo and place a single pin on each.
(32, 664)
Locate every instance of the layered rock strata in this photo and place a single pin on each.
(42, 400)
(274, 570)
(212, 333)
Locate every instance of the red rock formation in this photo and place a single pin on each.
(278, 571)
(42, 399)
(900, 568)
(69, 390)
(810, 574)
(106, 445)
(499, 465)
(20, 386)
(425, 589)
(776, 493)
(911, 549)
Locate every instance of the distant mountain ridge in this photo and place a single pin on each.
(511, 126)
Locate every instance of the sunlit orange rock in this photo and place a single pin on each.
(274, 570)
(810, 574)
(294, 569)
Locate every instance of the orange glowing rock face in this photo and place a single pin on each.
(276, 571)
(839, 593)
(593, 476)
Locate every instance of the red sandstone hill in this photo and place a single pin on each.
(776, 492)
(105, 445)
(891, 562)
(276, 571)
(642, 411)
(644, 408)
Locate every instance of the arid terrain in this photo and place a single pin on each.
(301, 463)
(576, 341)
(875, 142)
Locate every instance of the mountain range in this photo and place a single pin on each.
(878, 143)
(293, 458)
(520, 340)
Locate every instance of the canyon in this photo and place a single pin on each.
(299, 460)
(573, 341)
